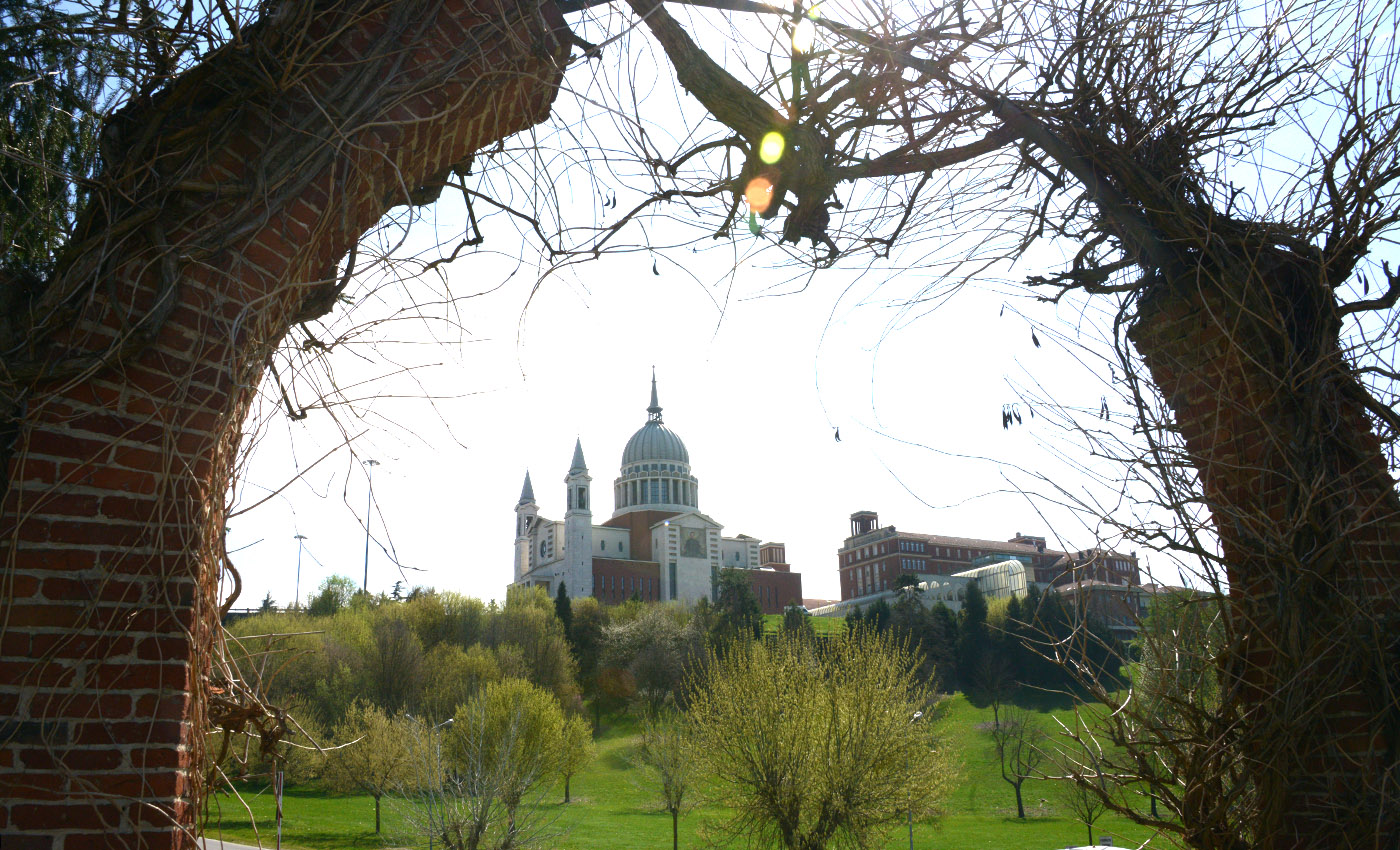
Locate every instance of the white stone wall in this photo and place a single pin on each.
(612, 543)
(739, 552)
(578, 538)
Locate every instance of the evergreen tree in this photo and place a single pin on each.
(51, 80)
(941, 644)
(737, 612)
(564, 610)
(797, 620)
(972, 635)
(853, 619)
(877, 615)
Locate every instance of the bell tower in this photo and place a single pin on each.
(578, 528)
(527, 513)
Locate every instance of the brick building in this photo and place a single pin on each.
(873, 558)
(656, 545)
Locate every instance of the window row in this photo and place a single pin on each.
(655, 467)
(621, 587)
(871, 579)
(656, 491)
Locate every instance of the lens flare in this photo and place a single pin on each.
(803, 36)
(770, 150)
(759, 194)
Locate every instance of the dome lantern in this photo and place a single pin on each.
(655, 468)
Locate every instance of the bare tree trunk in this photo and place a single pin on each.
(1309, 522)
(229, 198)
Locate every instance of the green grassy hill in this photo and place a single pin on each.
(611, 809)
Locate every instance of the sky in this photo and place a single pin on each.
(760, 364)
(758, 393)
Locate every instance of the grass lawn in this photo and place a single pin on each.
(773, 623)
(612, 810)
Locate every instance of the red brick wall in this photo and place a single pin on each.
(1309, 522)
(775, 590)
(615, 580)
(638, 525)
(111, 531)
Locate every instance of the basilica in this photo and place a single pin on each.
(657, 545)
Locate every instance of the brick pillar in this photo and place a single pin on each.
(1309, 524)
(230, 197)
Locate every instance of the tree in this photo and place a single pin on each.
(576, 749)
(1019, 742)
(455, 806)
(1126, 125)
(974, 638)
(736, 609)
(993, 683)
(53, 72)
(853, 619)
(663, 752)
(452, 676)
(656, 649)
(333, 595)
(171, 292)
(796, 619)
(1245, 328)
(564, 610)
(616, 688)
(877, 615)
(586, 638)
(268, 604)
(1167, 739)
(373, 756)
(1085, 790)
(811, 743)
(528, 624)
(395, 665)
(506, 742)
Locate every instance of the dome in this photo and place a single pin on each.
(654, 441)
(655, 469)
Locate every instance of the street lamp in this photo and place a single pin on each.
(369, 507)
(436, 768)
(300, 538)
(916, 716)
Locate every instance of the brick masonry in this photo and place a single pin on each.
(1309, 524)
(110, 536)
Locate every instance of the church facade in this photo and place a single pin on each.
(657, 544)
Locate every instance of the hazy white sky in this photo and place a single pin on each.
(756, 393)
(757, 361)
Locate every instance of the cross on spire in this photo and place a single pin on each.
(654, 412)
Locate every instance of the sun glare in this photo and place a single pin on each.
(759, 194)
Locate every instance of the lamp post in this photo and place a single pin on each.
(369, 508)
(436, 767)
(916, 716)
(300, 539)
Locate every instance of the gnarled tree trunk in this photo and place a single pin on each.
(1247, 356)
(229, 198)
